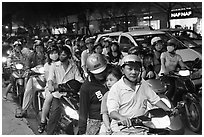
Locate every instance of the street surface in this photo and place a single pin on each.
(26, 126)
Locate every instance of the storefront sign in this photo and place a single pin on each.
(181, 13)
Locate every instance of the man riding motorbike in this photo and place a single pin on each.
(91, 93)
(36, 60)
(128, 97)
(16, 56)
(169, 63)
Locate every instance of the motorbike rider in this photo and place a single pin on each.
(53, 56)
(38, 57)
(37, 60)
(84, 55)
(114, 55)
(14, 57)
(128, 97)
(158, 47)
(148, 64)
(91, 93)
(169, 63)
(107, 43)
(60, 72)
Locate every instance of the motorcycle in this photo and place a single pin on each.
(154, 122)
(38, 74)
(160, 88)
(19, 73)
(69, 105)
(186, 93)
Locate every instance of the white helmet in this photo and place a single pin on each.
(17, 43)
(130, 59)
(155, 40)
(96, 63)
(108, 39)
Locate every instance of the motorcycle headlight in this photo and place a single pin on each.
(8, 52)
(19, 66)
(161, 122)
(184, 72)
(71, 113)
(4, 59)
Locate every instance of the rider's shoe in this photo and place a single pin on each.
(22, 114)
(41, 127)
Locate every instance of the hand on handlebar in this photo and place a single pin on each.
(126, 121)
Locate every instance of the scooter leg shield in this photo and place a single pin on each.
(176, 127)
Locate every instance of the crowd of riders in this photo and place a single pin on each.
(113, 84)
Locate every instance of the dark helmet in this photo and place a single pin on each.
(136, 50)
(90, 40)
(172, 42)
(155, 40)
(37, 43)
(52, 48)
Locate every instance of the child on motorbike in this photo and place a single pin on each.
(113, 75)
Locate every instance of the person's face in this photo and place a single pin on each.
(63, 56)
(148, 60)
(39, 49)
(159, 46)
(106, 43)
(132, 72)
(110, 80)
(113, 47)
(90, 46)
(101, 76)
(82, 43)
(54, 55)
(98, 49)
(18, 48)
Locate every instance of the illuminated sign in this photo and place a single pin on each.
(181, 13)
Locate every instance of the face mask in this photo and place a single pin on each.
(170, 48)
(63, 59)
(54, 56)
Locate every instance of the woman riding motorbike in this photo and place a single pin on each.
(53, 56)
(169, 63)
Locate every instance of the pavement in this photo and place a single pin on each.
(10, 124)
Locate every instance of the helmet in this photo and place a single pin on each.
(107, 40)
(52, 48)
(96, 63)
(37, 43)
(17, 43)
(135, 50)
(172, 42)
(89, 40)
(130, 59)
(155, 40)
